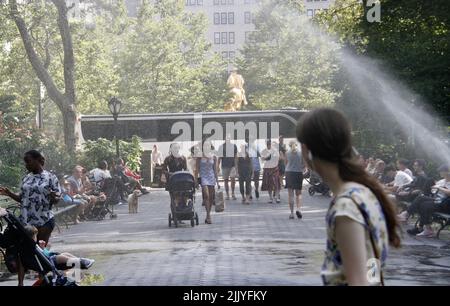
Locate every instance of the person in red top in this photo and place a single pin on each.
(130, 175)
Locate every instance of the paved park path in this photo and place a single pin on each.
(253, 244)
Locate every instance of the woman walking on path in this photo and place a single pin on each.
(245, 171)
(40, 189)
(256, 167)
(271, 177)
(294, 178)
(206, 168)
(361, 220)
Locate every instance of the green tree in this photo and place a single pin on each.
(285, 64)
(412, 41)
(166, 64)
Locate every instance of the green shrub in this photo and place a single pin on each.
(104, 149)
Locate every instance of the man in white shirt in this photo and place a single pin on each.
(402, 165)
(100, 173)
(401, 179)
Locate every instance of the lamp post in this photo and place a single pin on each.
(114, 105)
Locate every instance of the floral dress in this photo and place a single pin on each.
(343, 205)
(35, 193)
(207, 171)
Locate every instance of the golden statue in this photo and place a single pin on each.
(236, 84)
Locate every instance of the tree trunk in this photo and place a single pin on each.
(66, 102)
(70, 121)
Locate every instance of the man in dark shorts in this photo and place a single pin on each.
(227, 160)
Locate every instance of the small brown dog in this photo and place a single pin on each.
(133, 202)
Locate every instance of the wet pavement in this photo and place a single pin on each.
(246, 245)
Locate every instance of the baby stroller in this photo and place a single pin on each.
(181, 186)
(317, 185)
(15, 243)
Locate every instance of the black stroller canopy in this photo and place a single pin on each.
(181, 176)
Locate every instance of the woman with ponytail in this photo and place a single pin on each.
(361, 220)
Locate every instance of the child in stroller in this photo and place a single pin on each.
(21, 252)
(181, 187)
(59, 259)
(317, 185)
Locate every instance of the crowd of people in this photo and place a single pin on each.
(243, 165)
(413, 190)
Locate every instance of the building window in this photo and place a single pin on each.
(232, 55)
(231, 37)
(199, 2)
(231, 18)
(216, 2)
(247, 36)
(247, 17)
(224, 38)
(223, 18)
(217, 38)
(230, 2)
(216, 18)
(225, 55)
(310, 13)
(247, 1)
(223, 2)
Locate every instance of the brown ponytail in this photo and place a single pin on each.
(327, 134)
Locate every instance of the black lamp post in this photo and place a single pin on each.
(114, 105)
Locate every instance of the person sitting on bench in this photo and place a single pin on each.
(421, 184)
(127, 175)
(426, 206)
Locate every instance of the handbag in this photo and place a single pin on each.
(219, 201)
(372, 241)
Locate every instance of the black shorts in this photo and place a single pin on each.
(294, 180)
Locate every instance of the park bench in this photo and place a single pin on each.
(443, 220)
(64, 213)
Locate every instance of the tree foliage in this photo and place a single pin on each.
(166, 64)
(412, 41)
(285, 64)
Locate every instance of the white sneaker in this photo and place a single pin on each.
(403, 217)
(426, 233)
(291, 216)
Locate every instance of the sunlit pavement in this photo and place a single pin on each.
(253, 244)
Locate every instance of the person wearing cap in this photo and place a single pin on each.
(426, 206)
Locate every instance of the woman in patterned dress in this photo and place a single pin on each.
(271, 175)
(206, 169)
(361, 220)
(40, 189)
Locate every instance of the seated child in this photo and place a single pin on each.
(59, 259)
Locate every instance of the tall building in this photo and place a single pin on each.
(231, 21)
